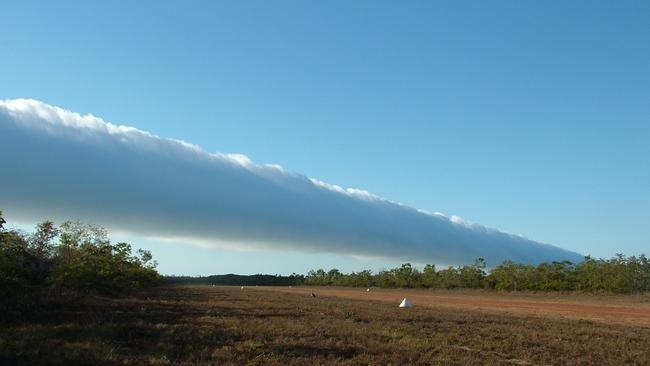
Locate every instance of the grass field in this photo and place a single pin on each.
(203, 325)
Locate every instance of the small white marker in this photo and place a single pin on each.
(405, 303)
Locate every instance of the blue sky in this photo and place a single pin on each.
(533, 118)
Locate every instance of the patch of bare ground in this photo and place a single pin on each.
(204, 325)
(620, 309)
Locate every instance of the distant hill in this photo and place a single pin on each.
(236, 280)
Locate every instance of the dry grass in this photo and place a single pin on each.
(224, 325)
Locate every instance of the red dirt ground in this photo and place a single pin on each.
(613, 309)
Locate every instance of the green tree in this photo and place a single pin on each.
(82, 261)
(406, 276)
(430, 276)
(449, 278)
(473, 276)
(334, 277)
(41, 241)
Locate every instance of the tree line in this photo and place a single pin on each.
(71, 259)
(619, 274)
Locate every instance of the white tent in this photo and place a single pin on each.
(405, 303)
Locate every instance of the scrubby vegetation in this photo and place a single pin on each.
(619, 274)
(68, 261)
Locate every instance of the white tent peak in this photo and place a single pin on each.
(405, 303)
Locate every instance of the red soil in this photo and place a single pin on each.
(612, 309)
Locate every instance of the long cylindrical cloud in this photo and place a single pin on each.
(61, 164)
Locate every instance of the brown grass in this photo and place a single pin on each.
(225, 325)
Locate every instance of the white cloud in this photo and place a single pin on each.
(60, 164)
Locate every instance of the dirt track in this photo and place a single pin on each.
(622, 310)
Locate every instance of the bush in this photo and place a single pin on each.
(82, 261)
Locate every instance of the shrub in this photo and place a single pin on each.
(82, 261)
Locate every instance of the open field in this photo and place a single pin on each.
(202, 325)
(621, 309)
